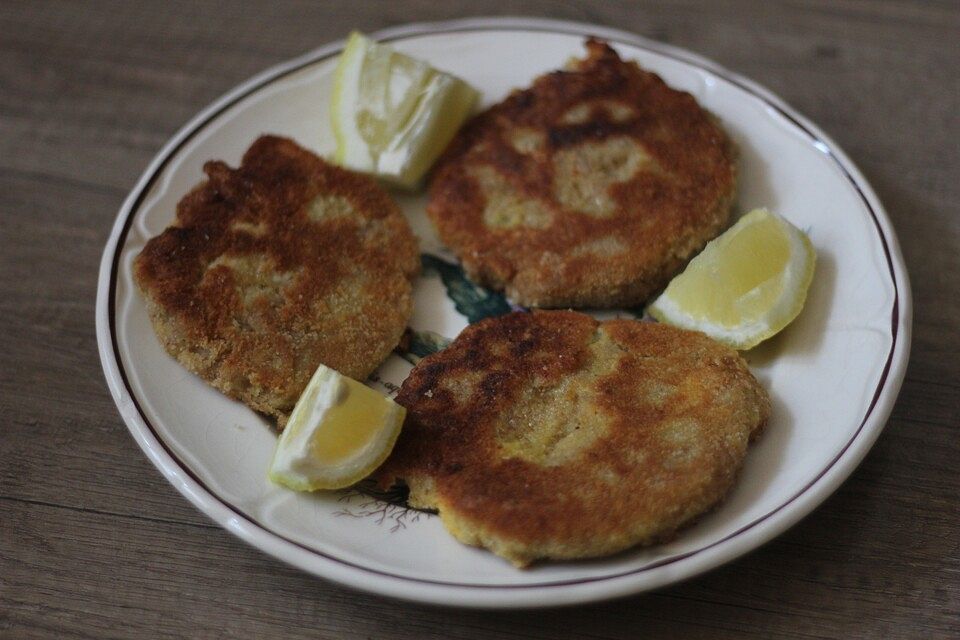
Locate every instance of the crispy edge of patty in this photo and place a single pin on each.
(661, 219)
(629, 485)
(275, 267)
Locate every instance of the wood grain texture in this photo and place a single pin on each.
(93, 542)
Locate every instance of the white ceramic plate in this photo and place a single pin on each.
(833, 375)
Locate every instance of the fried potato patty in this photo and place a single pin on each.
(278, 266)
(552, 435)
(591, 188)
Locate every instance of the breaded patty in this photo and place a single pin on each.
(552, 435)
(278, 266)
(591, 188)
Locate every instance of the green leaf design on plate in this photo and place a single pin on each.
(637, 312)
(422, 344)
(473, 301)
(469, 299)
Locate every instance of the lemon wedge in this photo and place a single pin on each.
(392, 115)
(339, 432)
(745, 286)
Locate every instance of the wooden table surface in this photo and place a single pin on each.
(95, 544)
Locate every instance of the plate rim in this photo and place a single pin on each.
(562, 592)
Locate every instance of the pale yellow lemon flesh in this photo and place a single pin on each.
(392, 115)
(349, 426)
(339, 432)
(745, 286)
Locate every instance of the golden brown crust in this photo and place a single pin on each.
(552, 435)
(593, 187)
(275, 267)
